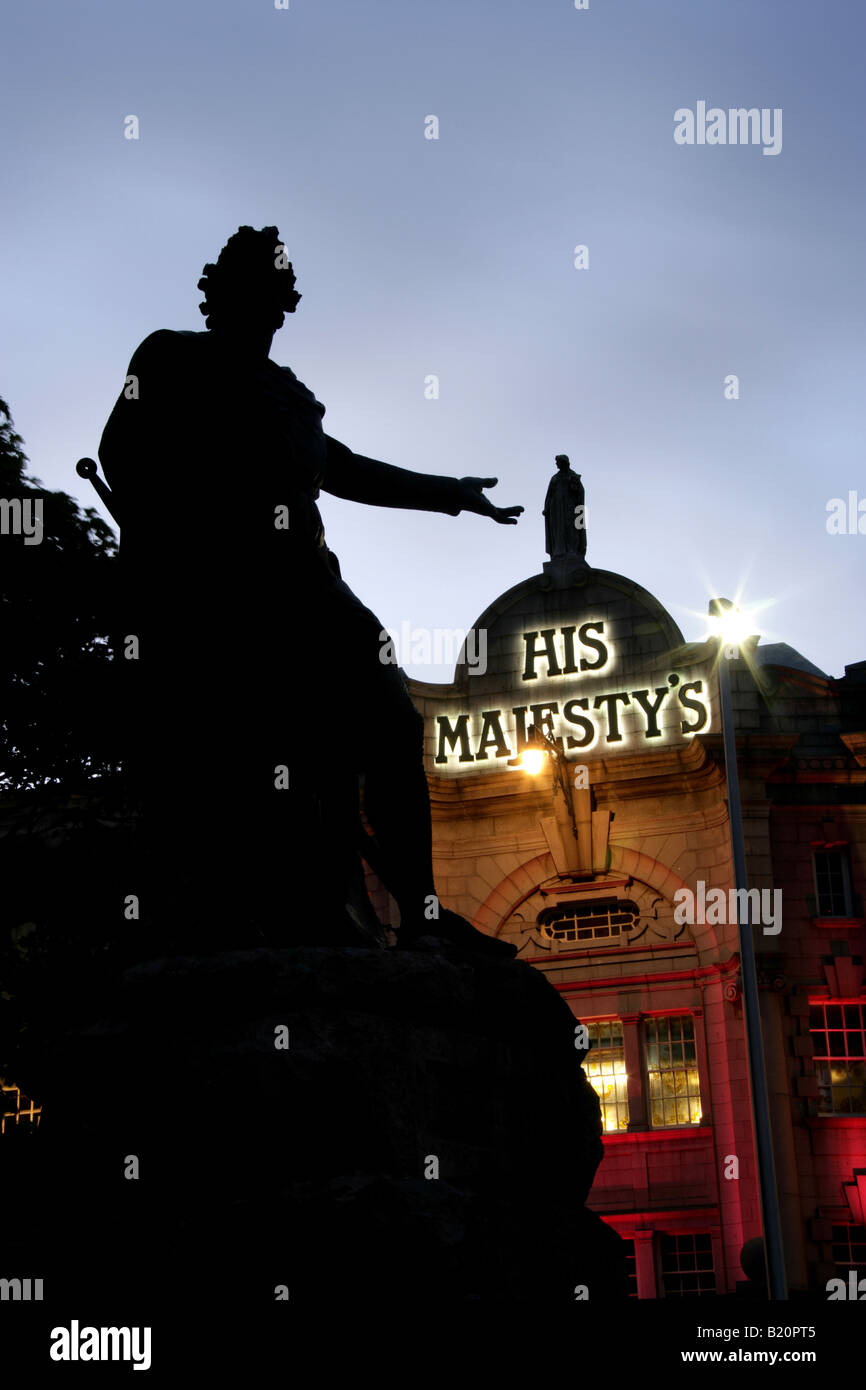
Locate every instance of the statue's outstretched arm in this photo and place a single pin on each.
(361, 479)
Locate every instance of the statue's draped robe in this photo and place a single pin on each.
(254, 655)
(561, 536)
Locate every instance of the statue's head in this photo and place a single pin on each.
(252, 282)
(562, 462)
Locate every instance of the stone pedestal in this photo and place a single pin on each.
(380, 1125)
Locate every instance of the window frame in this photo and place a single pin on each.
(698, 1068)
(546, 920)
(849, 1227)
(847, 885)
(591, 1023)
(661, 1236)
(637, 1072)
(822, 1060)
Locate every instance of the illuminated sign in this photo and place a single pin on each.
(584, 707)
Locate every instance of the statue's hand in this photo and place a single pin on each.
(472, 499)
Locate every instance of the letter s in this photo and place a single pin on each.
(697, 705)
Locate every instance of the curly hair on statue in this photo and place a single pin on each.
(252, 268)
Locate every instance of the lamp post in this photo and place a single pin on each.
(721, 609)
(555, 750)
(540, 746)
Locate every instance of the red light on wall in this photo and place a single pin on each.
(855, 1196)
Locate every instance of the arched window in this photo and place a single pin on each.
(605, 919)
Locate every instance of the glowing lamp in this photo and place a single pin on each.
(532, 761)
(729, 624)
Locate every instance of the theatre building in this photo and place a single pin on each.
(611, 869)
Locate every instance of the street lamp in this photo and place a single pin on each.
(540, 748)
(731, 632)
(531, 760)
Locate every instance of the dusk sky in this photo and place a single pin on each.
(454, 257)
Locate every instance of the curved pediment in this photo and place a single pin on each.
(597, 660)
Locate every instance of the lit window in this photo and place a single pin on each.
(840, 1057)
(16, 1110)
(832, 883)
(849, 1248)
(584, 922)
(605, 1069)
(687, 1265)
(672, 1072)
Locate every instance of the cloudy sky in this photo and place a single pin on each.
(454, 257)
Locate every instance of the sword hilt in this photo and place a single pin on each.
(89, 468)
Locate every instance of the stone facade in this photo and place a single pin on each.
(586, 865)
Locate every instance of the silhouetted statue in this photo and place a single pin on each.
(258, 685)
(564, 527)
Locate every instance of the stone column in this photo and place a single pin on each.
(634, 1072)
(645, 1263)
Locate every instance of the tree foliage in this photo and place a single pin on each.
(57, 707)
(61, 839)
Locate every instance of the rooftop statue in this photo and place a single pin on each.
(564, 513)
(256, 675)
